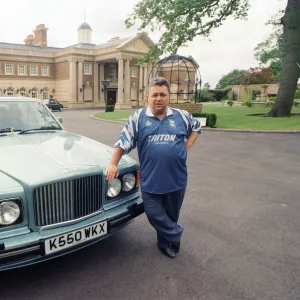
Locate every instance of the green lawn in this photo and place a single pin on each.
(230, 117)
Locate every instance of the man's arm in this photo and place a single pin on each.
(191, 139)
(112, 170)
(126, 142)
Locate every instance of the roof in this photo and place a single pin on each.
(28, 47)
(141, 35)
(113, 43)
(82, 46)
(84, 25)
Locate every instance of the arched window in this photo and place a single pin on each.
(45, 94)
(34, 93)
(22, 92)
(10, 91)
(236, 92)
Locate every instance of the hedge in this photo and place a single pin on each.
(211, 119)
(109, 108)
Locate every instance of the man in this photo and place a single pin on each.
(162, 136)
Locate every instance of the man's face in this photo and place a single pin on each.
(158, 99)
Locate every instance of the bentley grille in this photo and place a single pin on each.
(67, 200)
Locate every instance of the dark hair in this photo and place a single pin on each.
(160, 81)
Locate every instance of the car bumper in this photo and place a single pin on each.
(28, 249)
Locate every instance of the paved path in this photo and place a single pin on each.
(241, 238)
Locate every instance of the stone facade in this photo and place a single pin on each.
(74, 74)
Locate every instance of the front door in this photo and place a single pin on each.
(111, 97)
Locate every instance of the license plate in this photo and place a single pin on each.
(75, 237)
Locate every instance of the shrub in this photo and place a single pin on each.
(255, 93)
(248, 102)
(272, 99)
(211, 119)
(296, 103)
(297, 94)
(109, 108)
(230, 102)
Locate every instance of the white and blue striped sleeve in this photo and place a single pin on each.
(128, 137)
(192, 123)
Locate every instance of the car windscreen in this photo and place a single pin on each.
(25, 115)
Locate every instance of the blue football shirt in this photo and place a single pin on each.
(161, 147)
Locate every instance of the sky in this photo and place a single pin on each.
(229, 47)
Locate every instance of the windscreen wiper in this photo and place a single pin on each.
(40, 128)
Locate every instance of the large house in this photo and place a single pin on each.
(74, 74)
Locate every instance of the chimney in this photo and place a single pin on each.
(29, 40)
(114, 39)
(40, 36)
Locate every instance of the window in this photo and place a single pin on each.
(186, 78)
(10, 92)
(22, 91)
(112, 72)
(33, 70)
(45, 70)
(87, 69)
(45, 95)
(34, 93)
(9, 69)
(133, 72)
(21, 70)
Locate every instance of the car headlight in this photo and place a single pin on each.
(9, 212)
(114, 188)
(128, 182)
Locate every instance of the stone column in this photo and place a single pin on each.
(121, 104)
(140, 95)
(127, 81)
(121, 81)
(80, 80)
(96, 82)
(73, 83)
(102, 100)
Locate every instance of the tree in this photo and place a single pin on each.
(270, 51)
(291, 61)
(257, 76)
(182, 20)
(230, 79)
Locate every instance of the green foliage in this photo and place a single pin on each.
(230, 102)
(297, 94)
(270, 52)
(247, 101)
(231, 78)
(109, 108)
(211, 119)
(204, 95)
(296, 103)
(255, 93)
(220, 94)
(181, 21)
(271, 101)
